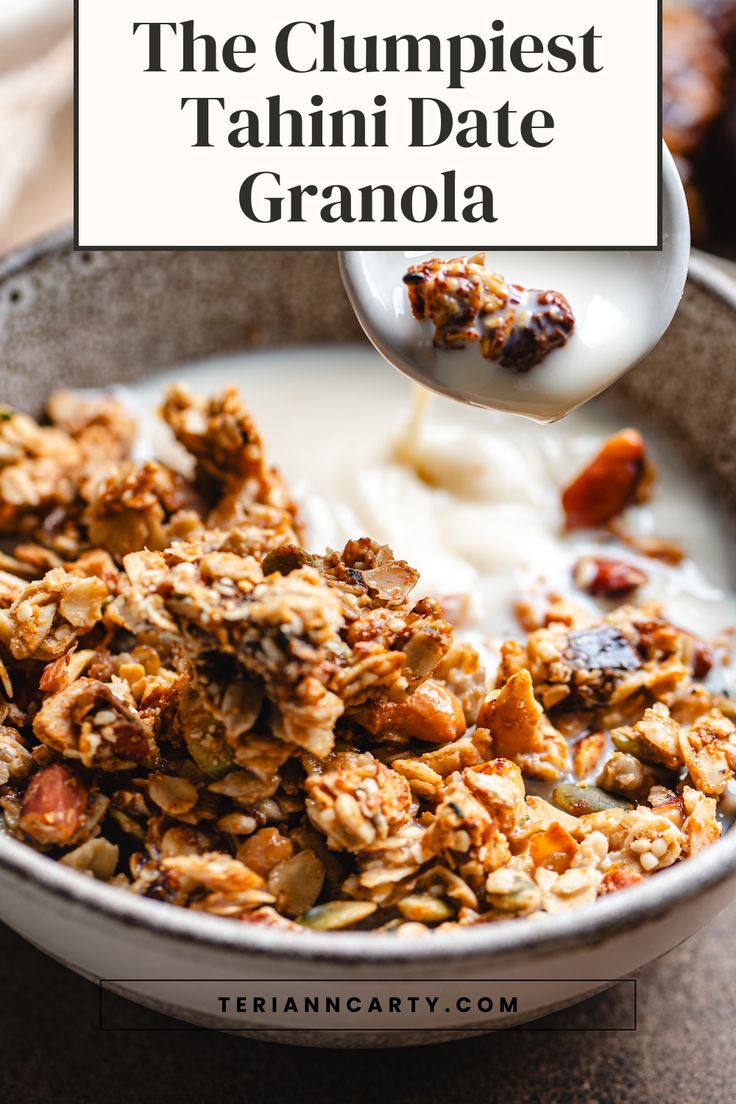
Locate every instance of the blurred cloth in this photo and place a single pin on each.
(36, 118)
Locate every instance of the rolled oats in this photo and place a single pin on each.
(196, 709)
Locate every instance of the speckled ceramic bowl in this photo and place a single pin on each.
(91, 318)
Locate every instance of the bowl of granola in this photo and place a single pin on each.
(299, 683)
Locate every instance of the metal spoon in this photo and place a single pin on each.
(623, 302)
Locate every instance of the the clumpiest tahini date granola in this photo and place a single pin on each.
(467, 302)
(197, 710)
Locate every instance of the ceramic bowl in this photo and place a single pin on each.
(93, 318)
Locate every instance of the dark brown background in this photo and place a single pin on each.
(51, 1048)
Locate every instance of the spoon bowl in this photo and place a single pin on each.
(623, 301)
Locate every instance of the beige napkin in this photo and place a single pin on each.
(36, 162)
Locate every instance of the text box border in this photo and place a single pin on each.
(374, 248)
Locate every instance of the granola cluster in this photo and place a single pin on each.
(197, 709)
(468, 302)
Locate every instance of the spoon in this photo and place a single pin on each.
(623, 302)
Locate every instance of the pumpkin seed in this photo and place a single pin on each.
(425, 908)
(581, 800)
(336, 914)
(628, 744)
(173, 795)
(210, 753)
(284, 560)
(512, 891)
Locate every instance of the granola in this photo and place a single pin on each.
(468, 302)
(197, 709)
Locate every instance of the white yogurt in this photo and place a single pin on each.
(483, 518)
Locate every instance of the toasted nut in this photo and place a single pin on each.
(613, 480)
(245, 787)
(97, 857)
(237, 824)
(539, 814)
(513, 717)
(709, 751)
(425, 908)
(54, 805)
(336, 914)
(618, 878)
(296, 883)
(656, 735)
(90, 722)
(265, 850)
(432, 714)
(174, 795)
(15, 759)
(621, 773)
(586, 753)
(552, 762)
(499, 786)
(581, 800)
(604, 578)
(701, 827)
(214, 870)
(60, 673)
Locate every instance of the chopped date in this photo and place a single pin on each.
(537, 322)
(614, 479)
(695, 72)
(602, 648)
(702, 660)
(722, 16)
(606, 578)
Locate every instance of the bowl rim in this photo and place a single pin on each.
(613, 915)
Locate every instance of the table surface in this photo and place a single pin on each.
(51, 1048)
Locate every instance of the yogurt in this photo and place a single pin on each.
(469, 497)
